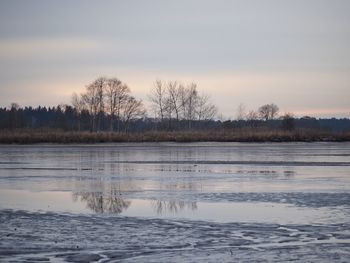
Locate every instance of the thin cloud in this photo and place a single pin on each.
(31, 47)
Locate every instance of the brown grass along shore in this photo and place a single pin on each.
(238, 135)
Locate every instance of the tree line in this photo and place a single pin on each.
(107, 104)
(172, 102)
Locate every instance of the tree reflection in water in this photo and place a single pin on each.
(101, 202)
(175, 206)
(172, 206)
(108, 199)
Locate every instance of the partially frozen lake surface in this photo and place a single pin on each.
(172, 202)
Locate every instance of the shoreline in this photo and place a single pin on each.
(253, 136)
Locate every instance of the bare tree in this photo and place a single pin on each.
(132, 109)
(274, 111)
(111, 96)
(89, 98)
(205, 109)
(189, 98)
(268, 111)
(94, 99)
(184, 102)
(174, 99)
(111, 91)
(241, 112)
(79, 105)
(100, 84)
(158, 98)
(116, 95)
(252, 117)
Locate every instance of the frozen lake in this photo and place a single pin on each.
(172, 202)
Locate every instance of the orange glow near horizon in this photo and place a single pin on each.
(227, 91)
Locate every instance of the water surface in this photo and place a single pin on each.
(208, 201)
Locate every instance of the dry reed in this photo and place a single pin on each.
(236, 135)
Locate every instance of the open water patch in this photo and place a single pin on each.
(117, 204)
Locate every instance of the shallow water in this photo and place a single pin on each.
(198, 202)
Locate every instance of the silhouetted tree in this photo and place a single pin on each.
(79, 106)
(181, 101)
(117, 95)
(190, 100)
(174, 99)
(252, 118)
(268, 111)
(133, 109)
(205, 109)
(158, 97)
(94, 99)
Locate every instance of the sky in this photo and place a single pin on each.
(294, 53)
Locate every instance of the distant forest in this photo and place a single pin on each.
(108, 105)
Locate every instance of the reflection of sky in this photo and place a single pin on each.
(89, 179)
(293, 53)
(97, 168)
(262, 212)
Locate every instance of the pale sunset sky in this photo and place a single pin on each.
(294, 53)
